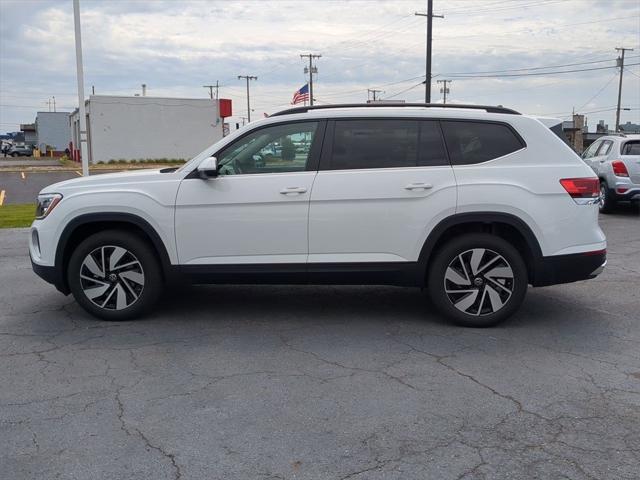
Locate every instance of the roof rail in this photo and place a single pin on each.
(487, 108)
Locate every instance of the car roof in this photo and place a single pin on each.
(620, 136)
(392, 111)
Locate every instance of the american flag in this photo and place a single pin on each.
(301, 95)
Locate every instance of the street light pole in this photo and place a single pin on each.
(84, 156)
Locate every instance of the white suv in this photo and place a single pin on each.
(474, 203)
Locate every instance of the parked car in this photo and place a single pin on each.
(474, 203)
(616, 161)
(20, 151)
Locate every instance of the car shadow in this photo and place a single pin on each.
(625, 210)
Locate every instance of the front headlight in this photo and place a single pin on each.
(46, 203)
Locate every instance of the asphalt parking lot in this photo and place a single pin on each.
(278, 382)
(24, 186)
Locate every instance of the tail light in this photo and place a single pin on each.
(584, 191)
(619, 168)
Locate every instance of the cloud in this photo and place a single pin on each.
(176, 47)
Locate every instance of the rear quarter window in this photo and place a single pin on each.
(477, 142)
(631, 148)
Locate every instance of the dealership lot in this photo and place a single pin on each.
(23, 186)
(272, 382)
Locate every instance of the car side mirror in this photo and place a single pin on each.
(208, 168)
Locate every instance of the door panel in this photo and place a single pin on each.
(243, 219)
(380, 214)
(256, 210)
(371, 216)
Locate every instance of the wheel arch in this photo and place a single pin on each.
(503, 225)
(87, 224)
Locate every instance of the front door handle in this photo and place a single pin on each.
(418, 186)
(293, 190)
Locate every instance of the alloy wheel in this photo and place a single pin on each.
(479, 282)
(603, 196)
(112, 277)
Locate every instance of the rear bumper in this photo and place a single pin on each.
(630, 194)
(568, 268)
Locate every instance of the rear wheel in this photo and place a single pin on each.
(478, 280)
(606, 202)
(114, 275)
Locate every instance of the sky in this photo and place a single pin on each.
(176, 47)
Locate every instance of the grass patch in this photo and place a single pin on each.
(20, 215)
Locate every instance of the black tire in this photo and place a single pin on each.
(118, 274)
(496, 290)
(606, 202)
(15, 154)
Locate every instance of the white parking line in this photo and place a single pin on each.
(22, 175)
(1, 197)
(78, 173)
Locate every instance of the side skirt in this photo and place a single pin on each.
(384, 273)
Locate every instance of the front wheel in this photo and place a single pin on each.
(114, 275)
(478, 280)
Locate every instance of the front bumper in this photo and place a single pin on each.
(568, 268)
(51, 275)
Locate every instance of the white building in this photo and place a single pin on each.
(133, 128)
(53, 131)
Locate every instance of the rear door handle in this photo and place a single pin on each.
(293, 190)
(418, 186)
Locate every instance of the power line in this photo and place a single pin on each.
(597, 93)
(538, 73)
(534, 68)
(403, 91)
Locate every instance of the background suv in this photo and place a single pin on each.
(472, 202)
(616, 161)
(20, 151)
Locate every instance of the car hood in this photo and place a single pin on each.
(97, 181)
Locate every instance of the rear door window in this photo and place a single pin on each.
(431, 152)
(477, 142)
(374, 143)
(631, 148)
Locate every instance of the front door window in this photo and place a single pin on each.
(274, 149)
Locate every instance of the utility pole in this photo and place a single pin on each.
(84, 155)
(372, 91)
(247, 78)
(444, 90)
(429, 15)
(310, 70)
(211, 87)
(54, 103)
(620, 62)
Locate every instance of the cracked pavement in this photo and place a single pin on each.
(281, 382)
